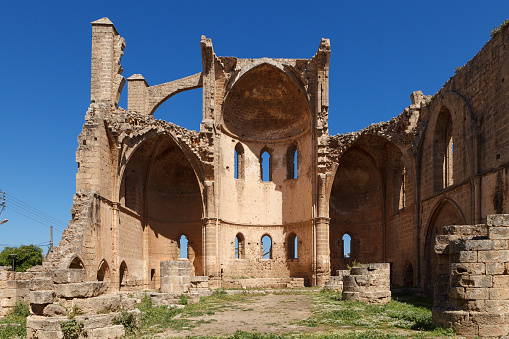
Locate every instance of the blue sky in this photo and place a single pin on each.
(381, 52)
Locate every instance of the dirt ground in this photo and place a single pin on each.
(270, 313)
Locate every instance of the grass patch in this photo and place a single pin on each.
(156, 319)
(17, 316)
(405, 311)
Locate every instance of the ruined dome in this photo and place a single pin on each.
(266, 104)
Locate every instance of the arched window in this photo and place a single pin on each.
(292, 246)
(266, 247)
(347, 240)
(291, 162)
(239, 161)
(443, 151)
(265, 165)
(123, 275)
(400, 187)
(239, 246)
(183, 243)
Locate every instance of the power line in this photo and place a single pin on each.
(32, 210)
(35, 214)
(49, 226)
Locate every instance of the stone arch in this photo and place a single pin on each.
(443, 159)
(445, 212)
(466, 127)
(103, 271)
(73, 261)
(264, 103)
(151, 136)
(367, 178)
(161, 185)
(123, 276)
(158, 94)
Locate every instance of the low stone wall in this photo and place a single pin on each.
(66, 292)
(335, 283)
(263, 283)
(369, 283)
(471, 291)
(14, 287)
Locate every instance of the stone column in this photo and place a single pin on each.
(322, 222)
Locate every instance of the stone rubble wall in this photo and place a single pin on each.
(471, 279)
(263, 283)
(369, 283)
(335, 283)
(54, 297)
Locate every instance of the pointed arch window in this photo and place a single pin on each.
(183, 247)
(239, 246)
(347, 241)
(239, 161)
(265, 165)
(266, 247)
(292, 246)
(443, 151)
(291, 162)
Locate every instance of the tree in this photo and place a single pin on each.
(27, 256)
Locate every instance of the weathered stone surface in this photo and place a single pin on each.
(81, 290)
(53, 310)
(66, 276)
(42, 297)
(38, 284)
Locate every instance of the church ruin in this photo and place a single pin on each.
(144, 183)
(263, 193)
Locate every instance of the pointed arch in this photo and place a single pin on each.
(239, 161)
(265, 164)
(446, 212)
(443, 150)
(292, 245)
(292, 161)
(123, 276)
(266, 246)
(103, 272)
(240, 246)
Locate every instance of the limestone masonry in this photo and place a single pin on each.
(263, 196)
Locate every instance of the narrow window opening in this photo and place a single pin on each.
(265, 166)
(443, 151)
(183, 243)
(266, 247)
(291, 162)
(346, 245)
(402, 190)
(239, 246)
(292, 246)
(409, 275)
(239, 161)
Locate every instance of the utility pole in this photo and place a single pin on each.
(50, 241)
(2, 204)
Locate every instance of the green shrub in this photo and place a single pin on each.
(73, 329)
(499, 28)
(128, 320)
(183, 299)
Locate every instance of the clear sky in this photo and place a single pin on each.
(382, 51)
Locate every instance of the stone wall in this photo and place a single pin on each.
(369, 283)
(472, 275)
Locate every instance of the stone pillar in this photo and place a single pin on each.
(175, 276)
(137, 93)
(369, 283)
(107, 50)
(322, 265)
